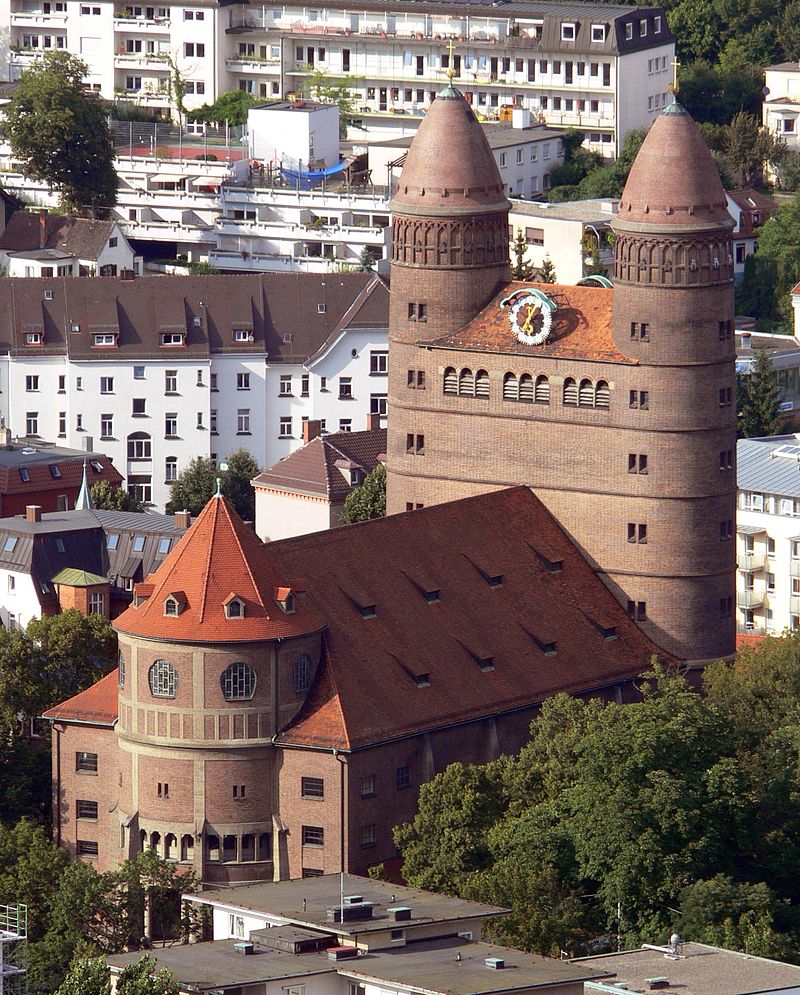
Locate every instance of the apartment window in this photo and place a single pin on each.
(285, 430)
(32, 423)
(243, 381)
(106, 385)
(138, 373)
(194, 50)
(212, 424)
(637, 610)
(417, 312)
(97, 603)
(285, 389)
(568, 32)
(403, 777)
(378, 363)
(629, 31)
(377, 404)
(637, 532)
(345, 424)
(32, 383)
(770, 546)
(368, 835)
(106, 426)
(170, 470)
(100, 339)
(171, 424)
(312, 787)
(243, 421)
(313, 836)
(304, 385)
(771, 583)
(415, 444)
(301, 675)
(86, 810)
(345, 388)
(87, 848)
(598, 32)
(86, 763)
(637, 462)
(640, 331)
(368, 786)
(139, 406)
(62, 422)
(170, 381)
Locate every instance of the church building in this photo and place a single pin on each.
(566, 455)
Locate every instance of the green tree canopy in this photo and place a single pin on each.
(197, 484)
(326, 89)
(146, 978)
(59, 132)
(87, 977)
(368, 500)
(521, 269)
(111, 498)
(775, 271)
(230, 107)
(758, 396)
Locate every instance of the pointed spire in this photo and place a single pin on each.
(84, 500)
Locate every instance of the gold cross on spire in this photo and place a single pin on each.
(451, 68)
(675, 66)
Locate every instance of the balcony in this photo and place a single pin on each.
(152, 61)
(752, 562)
(749, 599)
(794, 567)
(37, 19)
(754, 628)
(150, 26)
(252, 64)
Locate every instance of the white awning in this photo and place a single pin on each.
(750, 530)
(169, 177)
(207, 179)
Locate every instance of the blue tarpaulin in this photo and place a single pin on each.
(304, 179)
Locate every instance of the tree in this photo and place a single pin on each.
(145, 977)
(547, 274)
(59, 132)
(521, 268)
(327, 89)
(777, 262)
(758, 411)
(197, 484)
(368, 500)
(748, 148)
(366, 264)
(109, 497)
(177, 86)
(87, 977)
(230, 108)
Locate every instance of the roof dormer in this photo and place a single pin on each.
(286, 600)
(234, 606)
(175, 603)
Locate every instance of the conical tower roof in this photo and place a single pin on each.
(217, 560)
(449, 168)
(674, 182)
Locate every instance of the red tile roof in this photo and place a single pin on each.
(218, 557)
(313, 470)
(581, 326)
(421, 662)
(96, 705)
(749, 641)
(41, 479)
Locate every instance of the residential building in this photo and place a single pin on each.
(87, 559)
(768, 537)
(524, 150)
(179, 367)
(784, 355)
(306, 490)
(267, 692)
(565, 233)
(749, 210)
(42, 244)
(337, 934)
(34, 472)
(693, 969)
(590, 395)
(600, 67)
(781, 107)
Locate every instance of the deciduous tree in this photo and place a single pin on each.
(108, 497)
(368, 500)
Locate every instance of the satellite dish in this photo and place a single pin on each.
(765, 91)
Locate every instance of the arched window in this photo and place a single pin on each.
(212, 847)
(238, 682)
(542, 391)
(301, 674)
(187, 846)
(466, 383)
(601, 394)
(139, 446)
(450, 381)
(510, 387)
(481, 384)
(234, 608)
(171, 846)
(570, 391)
(526, 388)
(163, 679)
(155, 842)
(142, 839)
(586, 394)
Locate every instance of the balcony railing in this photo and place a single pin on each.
(756, 628)
(752, 562)
(749, 599)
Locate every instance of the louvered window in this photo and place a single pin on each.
(526, 388)
(510, 387)
(601, 394)
(466, 384)
(542, 394)
(450, 381)
(570, 391)
(586, 394)
(481, 384)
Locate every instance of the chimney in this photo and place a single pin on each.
(33, 513)
(5, 434)
(42, 229)
(373, 421)
(521, 118)
(312, 429)
(182, 519)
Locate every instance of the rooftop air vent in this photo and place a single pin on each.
(400, 913)
(342, 953)
(350, 913)
(353, 899)
(243, 948)
(495, 963)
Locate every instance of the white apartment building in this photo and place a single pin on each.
(158, 372)
(781, 108)
(768, 534)
(598, 67)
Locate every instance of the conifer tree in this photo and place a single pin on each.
(547, 274)
(521, 269)
(758, 398)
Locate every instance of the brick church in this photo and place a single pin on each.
(277, 706)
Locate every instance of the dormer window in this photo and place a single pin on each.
(234, 607)
(629, 31)
(657, 24)
(55, 471)
(643, 27)
(355, 478)
(598, 32)
(197, 321)
(285, 598)
(48, 295)
(423, 680)
(242, 335)
(321, 308)
(34, 338)
(568, 31)
(74, 326)
(174, 604)
(104, 340)
(173, 339)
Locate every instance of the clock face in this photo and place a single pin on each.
(530, 320)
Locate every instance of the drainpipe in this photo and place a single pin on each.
(58, 784)
(342, 763)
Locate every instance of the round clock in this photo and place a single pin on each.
(531, 319)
